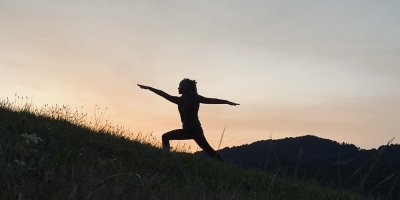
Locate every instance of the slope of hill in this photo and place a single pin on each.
(375, 171)
(47, 157)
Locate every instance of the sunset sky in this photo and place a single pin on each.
(327, 68)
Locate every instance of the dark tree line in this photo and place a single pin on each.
(372, 172)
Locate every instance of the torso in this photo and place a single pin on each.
(188, 107)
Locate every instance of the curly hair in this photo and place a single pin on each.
(188, 86)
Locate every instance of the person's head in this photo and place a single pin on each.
(187, 86)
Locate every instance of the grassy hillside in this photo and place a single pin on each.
(45, 156)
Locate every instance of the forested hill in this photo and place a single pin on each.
(375, 171)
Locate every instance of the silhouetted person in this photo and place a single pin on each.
(188, 105)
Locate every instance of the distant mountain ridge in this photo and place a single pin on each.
(310, 148)
(376, 170)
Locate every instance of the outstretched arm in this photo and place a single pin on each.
(170, 98)
(216, 101)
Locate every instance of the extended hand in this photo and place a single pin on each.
(233, 104)
(144, 87)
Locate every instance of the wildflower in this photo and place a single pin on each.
(31, 138)
(20, 163)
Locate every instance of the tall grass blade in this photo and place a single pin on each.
(222, 136)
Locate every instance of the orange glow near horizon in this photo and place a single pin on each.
(293, 74)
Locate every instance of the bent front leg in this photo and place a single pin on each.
(177, 134)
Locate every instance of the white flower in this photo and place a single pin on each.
(31, 138)
(20, 163)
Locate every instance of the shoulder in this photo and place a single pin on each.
(199, 97)
(175, 99)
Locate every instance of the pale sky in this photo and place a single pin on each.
(327, 68)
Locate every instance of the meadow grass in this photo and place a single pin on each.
(56, 153)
